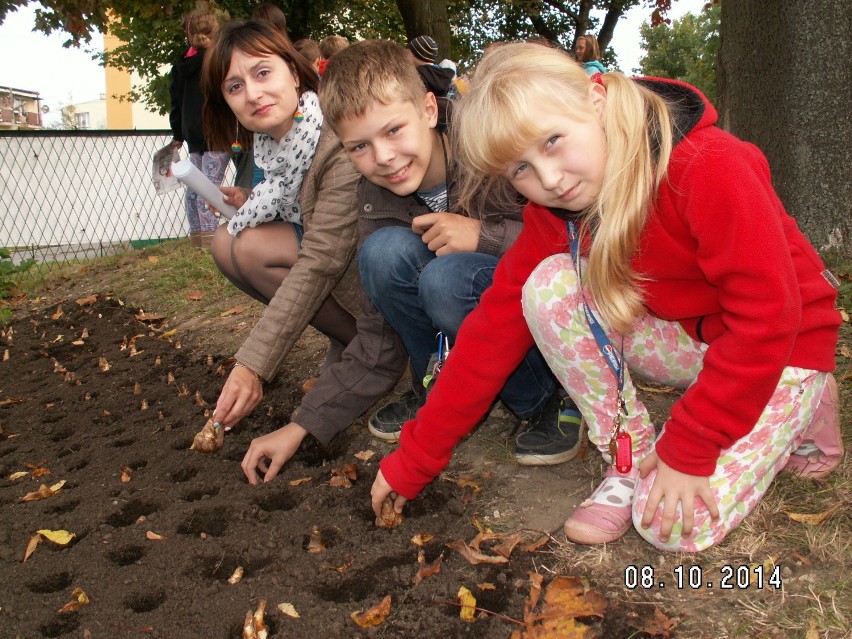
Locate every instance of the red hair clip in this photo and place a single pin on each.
(598, 78)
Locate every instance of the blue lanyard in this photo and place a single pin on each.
(615, 363)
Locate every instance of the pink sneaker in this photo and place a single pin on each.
(822, 448)
(606, 515)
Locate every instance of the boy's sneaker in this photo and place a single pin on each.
(386, 423)
(553, 436)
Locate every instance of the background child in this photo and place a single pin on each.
(185, 121)
(696, 274)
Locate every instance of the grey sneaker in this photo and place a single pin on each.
(386, 423)
(553, 436)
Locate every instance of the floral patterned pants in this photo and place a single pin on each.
(662, 351)
(212, 165)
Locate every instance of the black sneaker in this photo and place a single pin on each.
(386, 423)
(553, 436)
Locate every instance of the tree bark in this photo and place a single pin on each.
(427, 17)
(784, 77)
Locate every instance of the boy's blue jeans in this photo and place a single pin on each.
(420, 294)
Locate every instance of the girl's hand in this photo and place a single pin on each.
(277, 447)
(380, 491)
(240, 395)
(670, 487)
(447, 233)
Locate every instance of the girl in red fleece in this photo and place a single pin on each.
(653, 243)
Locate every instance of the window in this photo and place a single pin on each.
(82, 120)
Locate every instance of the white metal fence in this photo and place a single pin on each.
(71, 195)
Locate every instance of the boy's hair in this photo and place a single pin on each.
(369, 71)
(592, 50)
(254, 37)
(308, 48)
(516, 82)
(271, 13)
(330, 45)
(201, 24)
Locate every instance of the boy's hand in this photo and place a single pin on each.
(379, 492)
(447, 233)
(670, 487)
(277, 447)
(240, 395)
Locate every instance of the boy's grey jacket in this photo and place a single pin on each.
(374, 361)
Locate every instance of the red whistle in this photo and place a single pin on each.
(623, 452)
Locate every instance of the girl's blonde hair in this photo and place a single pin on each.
(496, 121)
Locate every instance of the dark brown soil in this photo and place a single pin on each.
(61, 412)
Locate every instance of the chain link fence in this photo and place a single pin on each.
(77, 195)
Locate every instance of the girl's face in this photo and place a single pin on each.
(564, 169)
(580, 49)
(262, 91)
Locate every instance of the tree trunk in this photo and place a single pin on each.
(784, 78)
(427, 17)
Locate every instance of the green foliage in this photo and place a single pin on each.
(685, 51)
(8, 269)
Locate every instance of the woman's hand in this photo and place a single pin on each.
(277, 447)
(240, 395)
(671, 486)
(447, 233)
(233, 195)
(380, 491)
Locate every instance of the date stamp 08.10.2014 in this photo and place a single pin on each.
(695, 577)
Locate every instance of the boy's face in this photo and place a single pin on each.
(393, 146)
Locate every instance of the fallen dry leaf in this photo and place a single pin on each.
(234, 310)
(389, 518)
(315, 544)
(844, 315)
(468, 605)
(375, 615)
(18, 475)
(300, 481)
(80, 599)
(103, 364)
(654, 623)
(154, 536)
(58, 313)
(340, 569)
(34, 541)
(199, 400)
(486, 586)
(195, 296)
(656, 389)
(421, 539)
(237, 576)
(508, 545)
(125, 474)
(473, 556)
(6, 355)
(43, 492)
(536, 580)
(365, 455)
(12, 400)
(427, 570)
(533, 546)
(153, 259)
(466, 481)
(844, 350)
(815, 519)
(483, 528)
(137, 388)
(58, 537)
(570, 597)
(209, 439)
(142, 316)
(87, 301)
(289, 610)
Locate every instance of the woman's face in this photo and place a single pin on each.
(262, 91)
(580, 49)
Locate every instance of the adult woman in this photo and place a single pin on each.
(291, 244)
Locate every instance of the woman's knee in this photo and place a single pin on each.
(220, 249)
